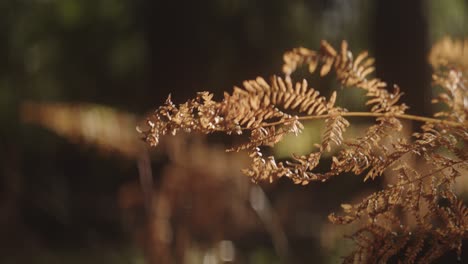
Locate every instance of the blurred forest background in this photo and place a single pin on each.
(76, 76)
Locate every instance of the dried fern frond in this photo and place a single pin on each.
(448, 52)
(268, 110)
(335, 125)
(203, 174)
(108, 129)
(449, 58)
(366, 152)
(260, 108)
(454, 96)
(349, 71)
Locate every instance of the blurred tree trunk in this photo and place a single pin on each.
(401, 50)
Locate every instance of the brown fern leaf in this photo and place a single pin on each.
(260, 109)
(421, 197)
(269, 135)
(455, 96)
(283, 93)
(375, 244)
(414, 248)
(421, 201)
(350, 72)
(335, 125)
(298, 170)
(298, 57)
(106, 128)
(449, 59)
(367, 152)
(195, 115)
(248, 108)
(448, 52)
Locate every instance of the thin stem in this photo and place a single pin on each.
(371, 114)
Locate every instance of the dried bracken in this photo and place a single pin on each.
(198, 175)
(448, 52)
(106, 128)
(266, 111)
(196, 172)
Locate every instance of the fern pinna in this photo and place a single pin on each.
(418, 217)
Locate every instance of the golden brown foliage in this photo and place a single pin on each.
(268, 110)
(198, 204)
(197, 174)
(106, 128)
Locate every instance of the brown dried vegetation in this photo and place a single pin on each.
(177, 218)
(419, 217)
